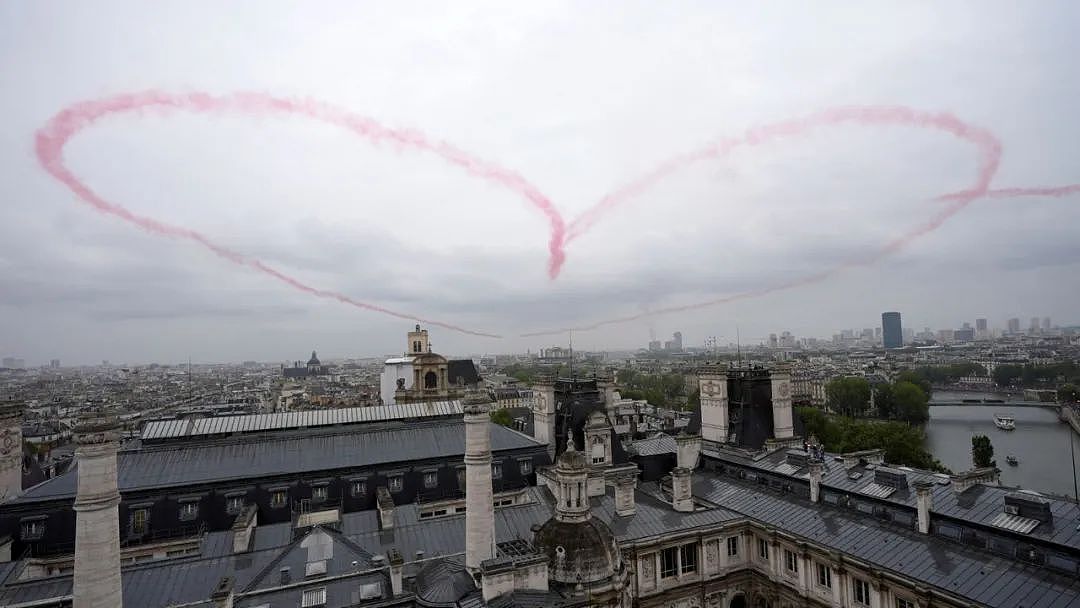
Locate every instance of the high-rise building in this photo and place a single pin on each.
(676, 339)
(1014, 325)
(773, 341)
(1046, 323)
(54, 363)
(892, 334)
(982, 330)
(1034, 324)
(964, 334)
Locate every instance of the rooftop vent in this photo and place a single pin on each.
(797, 458)
(1030, 505)
(888, 476)
(286, 575)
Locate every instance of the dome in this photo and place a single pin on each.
(313, 360)
(443, 583)
(578, 552)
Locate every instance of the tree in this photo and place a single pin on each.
(918, 378)
(982, 451)
(885, 401)
(1005, 375)
(502, 417)
(1068, 393)
(849, 396)
(911, 403)
(693, 402)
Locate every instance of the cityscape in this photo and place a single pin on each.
(539, 305)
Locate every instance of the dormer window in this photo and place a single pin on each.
(320, 493)
(32, 528)
(395, 483)
(189, 510)
(358, 487)
(496, 470)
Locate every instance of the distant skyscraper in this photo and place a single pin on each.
(54, 363)
(1034, 324)
(965, 334)
(892, 334)
(677, 340)
(773, 341)
(1014, 325)
(982, 330)
(1046, 324)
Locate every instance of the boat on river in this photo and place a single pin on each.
(1004, 422)
(1012, 460)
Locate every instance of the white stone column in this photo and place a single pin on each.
(97, 525)
(11, 418)
(479, 501)
(924, 501)
(712, 385)
(781, 403)
(682, 494)
(816, 471)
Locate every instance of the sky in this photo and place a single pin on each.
(576, 99)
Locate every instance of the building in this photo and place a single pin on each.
(422, 375)
(1034, 327)
(964, 334)
(892, 333)
(1014, 325)
(313, 367)
(982, 329)
(54, 363)
(1046, 324)
(655, 345)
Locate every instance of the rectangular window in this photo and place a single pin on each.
(824, 576)
(688, 558)
(319, 493)
(902, 603)
(313, 597)
(733, 546)
(763, 549)
(496, 470)
(279, 498)
(525, 466)
(860, 591)
(395, 483)
(33, 529)
(189, 510)
(358, 487)
(234, 504)
(140, 522)
(669, 562)
(431, 479)
(791, 561)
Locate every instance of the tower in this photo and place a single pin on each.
(780, 380)
(97, 522)
(544, 413)
(11, 417)
(892, 333)
(479, 499)
(418, 342)
(713, 387)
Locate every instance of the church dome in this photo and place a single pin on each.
(578, 552)
(313, 360)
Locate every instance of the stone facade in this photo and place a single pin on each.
(97, 528)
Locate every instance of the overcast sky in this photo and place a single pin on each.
(579, 99)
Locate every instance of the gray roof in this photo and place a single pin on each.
(188, 464)
(653, 446)
(219, 425)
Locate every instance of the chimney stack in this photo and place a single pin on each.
(682, 494)
(479, 501)
(780, 378)
(244, 529)
(625, 485)
(712, 384)
(385, 504)
(397, 566)
(816, 470)
(924, 501)
(688, 449)
(97, 521)
(11, 419)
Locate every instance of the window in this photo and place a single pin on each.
(733, 546)
(763, 549)
(189, 510)
(279, 498)
(234, 504)
(319, 493)
(669, 562)
(395, 483)
(461, 478)
(140, 521)
(791, 561)
(860, 589)
(431, 380)
(688, 558)
(32, 529)
(496, 470)
(525, 466)
(599, 450)
(313, 597)
(431, 479)
(902, 603)
(358, 487)
(824, 576)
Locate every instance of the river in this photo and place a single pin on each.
(1040, 442)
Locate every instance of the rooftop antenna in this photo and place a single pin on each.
(738, 345)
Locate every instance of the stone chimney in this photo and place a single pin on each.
(816, 470)
(780, 378)
(11, 419)
(712, 384)
(924, 502)
(682, 494)
(688, 449)
(397, 567)
(244, 529)
(625, 485)
(962, 481)
(222, 596)
(385, 503)
(479, 499)
(97, 521)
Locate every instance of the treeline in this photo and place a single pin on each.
(903, 443)
(907, 399)
(1067, 372)
(662, 390)
(947, 374)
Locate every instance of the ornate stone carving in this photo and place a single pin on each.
(714, 599)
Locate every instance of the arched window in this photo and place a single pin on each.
(431, 380)
(739, 601)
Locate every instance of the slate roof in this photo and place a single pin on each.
(461, 371)
(186, 464)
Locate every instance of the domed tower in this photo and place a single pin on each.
(583, 555)
(314, 366)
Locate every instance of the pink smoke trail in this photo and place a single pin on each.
(52, 138)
